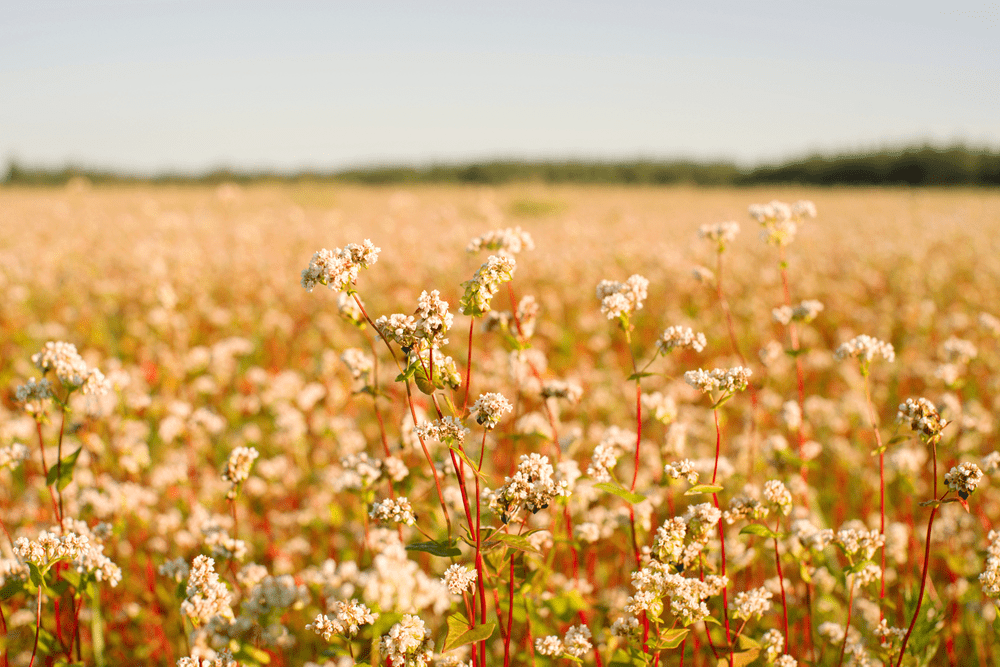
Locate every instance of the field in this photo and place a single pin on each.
(238, 416)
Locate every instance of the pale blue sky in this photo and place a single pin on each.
(180, 84)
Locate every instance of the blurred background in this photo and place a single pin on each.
(702, 92)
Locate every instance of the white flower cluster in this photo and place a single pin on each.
(923, 416)
(719, 232)
(779, 220)
(619, 300)
(687, 595)
(433, 320)
(990, 577)
(963, 478)
(81, 547)
(607, 453)
(459, 578)
(358, 363)
(958, 351)
(359, 471)
(777, 494)
(508, 241)
(490, 408)
(570, 391)
(448, 430)
(857, 541)
(480, 290)
(680, 338)
(865, 348)
(684, 468)
(811, 537)
(11, 456)
(207, 595)
(748, 604)
(728, 381)
(34, 393)
(70, 368)
(805, 312)
(575, 643)
(238, 468)
(533, 486)
(338, 269)
(346, 618)
(742, 507)
(399, 328)
(408, 643)
(393, 510)
(224, 658)
(774, 643)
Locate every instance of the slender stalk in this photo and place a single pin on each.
(781, 580)
(510, 615)
(468, 366)
(38, 627)
(62, 430)
(722, 534)
(3, 627)
(847, 628)
(45, 468)
(881, 479)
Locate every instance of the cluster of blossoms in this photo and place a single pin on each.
(338, 269)
(207, 595)
(533, 486)
(680, 338)
(865, 348)
(607, 453)
(859, 542)
(958, 351)
(743, 507)
(923, 416)
(811, 537)
(684, 468)
(458, 578)
(576, 643)
(779, 220)
(654, 582)
(748, 604)
(33, 395)
(990, 577)
(224, 658)
(448, 430)
(777, 494)
(445, 371)
(963, 479)
(359, 471)
(479, 291)
(408, 643)
(619, 300)
(86, 555)
(720, 232)
(489, 408)
(393, 510)
(432, 318)
(238, 468)
(12, 455)
(569, 391)
(358, 363)
(728, 381)
(887, 635)
(523, 320)
(400, 329)
(345, 618)
(69, 367)
(508, 241)
(805, 312)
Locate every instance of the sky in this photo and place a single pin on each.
(190, 85)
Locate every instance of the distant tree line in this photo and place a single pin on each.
(917, 166)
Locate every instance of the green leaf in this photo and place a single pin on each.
(442, 549)
(624, 494)
(639, 376)
(63, 473)
(669, 639)
(408, 373)
(36, 576)
(703, 488)
(465, 457)
(996, 622)
(11, 588)
(518, 542)
(457, 638)
(857, 567)
(746, 643)
(760, 530)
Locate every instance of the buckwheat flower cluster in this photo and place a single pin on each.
(778, 219)
(680, 338)
(408, 643)
(619, 300)
(400, 329)
(11, 457)
(607, 453)
(805, 312)
(393, 510)
(777, 494)
(577, 641)
(70, 368)
(865, 348)
(458, 578)
(786, 661)
(626, 627)
(683, 468)
(207, 596)
(533, 486)
(742, 507)
(51, 547)
(720, 233)
(358, 363)
(359, 471)
(549, 645)
(990, 577)
(748, 604)
(570, 391)
(448, 430)
(773, 643)
(923, 416)
(445, 370)
(338, 269)
(811, 537)
(176, 569)
(888, 635)
(224, 658)
(490, 408)
(34, 394)
(857, 541)
(238, 468)
(480, 290)
(668, 543)
(508, 241)
(654, 582)
(432, 318)
(728, 381)
(963, 478)
(345, 618)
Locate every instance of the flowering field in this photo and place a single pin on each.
(326, 425)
